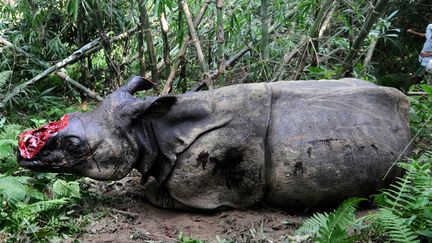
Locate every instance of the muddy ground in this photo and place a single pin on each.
(121, 214)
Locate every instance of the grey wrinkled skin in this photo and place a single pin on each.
(289, 144)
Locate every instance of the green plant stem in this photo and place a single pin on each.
(220, 40)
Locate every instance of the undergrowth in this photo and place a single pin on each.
(34, 206)
(403, 210)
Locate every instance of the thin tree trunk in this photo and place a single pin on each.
(140, 40)
(265, 22)
(84, 69)
(145, 23)
(323, 16)
(220, 40)
(372, 18)
(369, 55)
(197, 44)
(302, 63)
(183, 49)
(327, 21)
(166, 47)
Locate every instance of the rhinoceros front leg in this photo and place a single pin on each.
(159, 197)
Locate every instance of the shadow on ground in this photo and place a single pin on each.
(121, 214)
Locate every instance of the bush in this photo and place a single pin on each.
(37, 206)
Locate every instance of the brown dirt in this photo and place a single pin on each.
(125, 216)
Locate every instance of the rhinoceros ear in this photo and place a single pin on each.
(137, 83)
(151, 108)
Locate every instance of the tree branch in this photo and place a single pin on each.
(62, 74)
(84, 51)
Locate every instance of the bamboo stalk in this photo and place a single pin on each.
(220, 40)
(372, 18)
(197, 44)
(314, 34)
(313, 46)
(140, 44)
(369, 55)
(265, 22)
(327, 21)
(114, 76)
(145, 23)
(302, 63)
(166, 47)
(232, 61)
(84, 51)
(183, 49)
(62, 74)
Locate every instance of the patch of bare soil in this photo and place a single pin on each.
(128, 217)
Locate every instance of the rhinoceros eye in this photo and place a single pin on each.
(74, 145)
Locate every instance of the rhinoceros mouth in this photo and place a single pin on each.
(39, 165)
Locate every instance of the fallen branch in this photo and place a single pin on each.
(126, 213)
(62, 74)
(417, 93)
(84, 51)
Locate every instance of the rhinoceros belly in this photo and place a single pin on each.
(331, 140)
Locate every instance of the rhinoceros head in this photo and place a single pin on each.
(103, 144)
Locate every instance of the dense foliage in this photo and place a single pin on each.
(239, 42)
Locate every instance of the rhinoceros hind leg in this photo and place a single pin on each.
(158, 196)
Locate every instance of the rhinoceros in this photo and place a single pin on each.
(287, 144)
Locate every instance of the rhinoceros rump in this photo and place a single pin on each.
(289, 144)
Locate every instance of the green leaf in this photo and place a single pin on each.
(5, 150)
(64, 189)
(427, 89)
(72, 8)
(13, 189)
(4, 77)
(427, 233)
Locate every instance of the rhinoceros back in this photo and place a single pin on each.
(328, 140)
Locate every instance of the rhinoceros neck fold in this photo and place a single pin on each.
(147, 145)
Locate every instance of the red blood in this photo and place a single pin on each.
(31, 142)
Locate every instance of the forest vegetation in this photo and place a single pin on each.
(60, 56)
